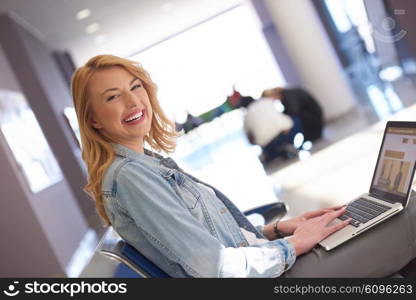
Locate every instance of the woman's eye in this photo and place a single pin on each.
(112, 97)
(136, 86)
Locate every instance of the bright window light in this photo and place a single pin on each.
(348, 13)
(339, 15)
(29, 147)
(391, 73)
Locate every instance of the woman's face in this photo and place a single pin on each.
(120, 107)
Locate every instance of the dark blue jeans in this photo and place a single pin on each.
(275, 146)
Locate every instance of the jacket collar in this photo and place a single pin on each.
(147, 156)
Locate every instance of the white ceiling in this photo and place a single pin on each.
(128, 25)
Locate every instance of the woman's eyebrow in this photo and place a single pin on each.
(134, 79)
(115, 89)
(108, 90)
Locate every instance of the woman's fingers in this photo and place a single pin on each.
(322, 211)
(330, 216)
(316, 213)
(336, 207)
(337, 226)
(314, 230)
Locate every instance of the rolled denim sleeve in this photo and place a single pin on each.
(270, 259)
(289, 253)
(157, 211)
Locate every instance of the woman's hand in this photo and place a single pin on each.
(314, 230)
(288, 227)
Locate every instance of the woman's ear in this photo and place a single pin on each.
(94, 123)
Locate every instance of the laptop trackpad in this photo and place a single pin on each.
(338, 237)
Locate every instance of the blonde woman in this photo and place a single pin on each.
(186, 227)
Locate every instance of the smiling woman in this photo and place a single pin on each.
(107, 92)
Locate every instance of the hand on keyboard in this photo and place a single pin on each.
(363, 210)
(314, 230)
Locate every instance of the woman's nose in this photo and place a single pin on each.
(132, 99)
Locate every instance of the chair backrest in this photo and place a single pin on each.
(142, 262)
(131, 262)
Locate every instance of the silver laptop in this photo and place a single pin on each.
(390, 187)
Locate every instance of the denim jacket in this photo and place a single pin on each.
(164, 213)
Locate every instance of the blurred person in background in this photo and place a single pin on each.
(298, 103)
(269, 128)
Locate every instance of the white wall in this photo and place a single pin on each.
(313, 56)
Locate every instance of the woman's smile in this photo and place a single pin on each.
(135, 118)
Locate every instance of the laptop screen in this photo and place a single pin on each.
(394, 172)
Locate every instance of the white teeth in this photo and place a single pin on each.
(136, 116)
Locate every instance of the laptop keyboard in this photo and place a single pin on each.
(363, 210)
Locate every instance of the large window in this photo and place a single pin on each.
(27, 142)
(196, 70)
(352, 13)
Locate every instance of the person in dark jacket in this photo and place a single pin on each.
(298, 103)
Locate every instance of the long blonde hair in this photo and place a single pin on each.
(97, 151)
